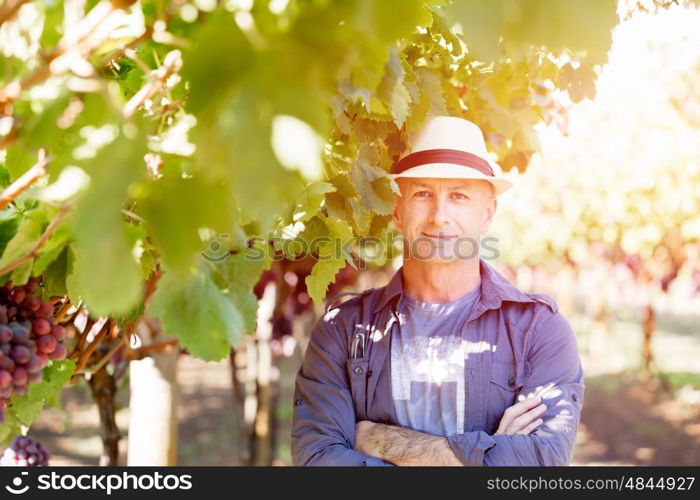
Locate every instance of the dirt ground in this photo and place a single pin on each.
(628, 422)
(624, 421)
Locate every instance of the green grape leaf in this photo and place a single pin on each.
(10, 427)
(9, 223)
(4, 174)
(341, 234)
(389, 23)
(361, 218)
(54, 276)
(201, 315)
(439, 26)
(238, 274)
(52, 249)
(247, 304)
(431, 89)
(100, 232)
(371, 182)
(174, 227)
(218, 43)
(19, 160)
(367, 70)
(311, 201)
(56, 375)
(29, 231)
(579, 82)
(323, 272)
(239, 150)
(393, 92)
(315, 232)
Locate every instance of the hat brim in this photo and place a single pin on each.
(450, 171)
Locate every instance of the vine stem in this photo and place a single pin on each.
(34, 252)
(9, 8)
(171, 64)
(63, 310)
(142, 352)
(103, 361)
(85, 355)
(71, 54)
(25, 180)
(89, 325)
(80, 42)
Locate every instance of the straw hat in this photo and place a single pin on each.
(451, 148)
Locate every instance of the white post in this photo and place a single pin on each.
(153, 407)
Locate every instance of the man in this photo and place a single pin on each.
(449, 364)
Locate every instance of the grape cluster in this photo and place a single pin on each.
(25, 451)
(29, 337)
(290, 277)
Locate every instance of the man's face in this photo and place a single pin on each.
(442, 220)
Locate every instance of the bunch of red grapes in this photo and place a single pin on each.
(25, 451)
(290, 277)
(29, 337)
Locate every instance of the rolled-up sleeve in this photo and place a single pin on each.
(323, 421)
(553, 358)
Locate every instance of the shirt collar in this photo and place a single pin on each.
(495, 289)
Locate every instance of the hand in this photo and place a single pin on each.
(521, 418)
(362, 441)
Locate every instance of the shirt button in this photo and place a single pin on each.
(511, 381)
(573, 396)
(297, 402)
(358, 370)
(369, 373)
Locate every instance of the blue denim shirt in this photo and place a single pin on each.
(517, 342)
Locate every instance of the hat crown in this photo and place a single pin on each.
(449, 132)
(448, 147)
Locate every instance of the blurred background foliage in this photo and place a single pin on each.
(201, 121)
(203, 153)
(576, 25)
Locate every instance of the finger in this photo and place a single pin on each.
(523, 420)
(523, 406)
(528, 417)
(531, 427)
(515, 411)
(526, 397)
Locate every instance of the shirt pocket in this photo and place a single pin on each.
(357, 375)
(503, 387)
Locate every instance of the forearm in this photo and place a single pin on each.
(323, 434)
(402, 446)
(320, 454)
(541, 448)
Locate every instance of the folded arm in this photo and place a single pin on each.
(554, 358)
(402, 446)
(544, 436)
(323, 422)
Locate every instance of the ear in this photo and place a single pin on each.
(396, 214)
(489, 213)
(396, 217)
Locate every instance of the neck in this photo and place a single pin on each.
(436, 283)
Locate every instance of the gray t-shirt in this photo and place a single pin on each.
(427, 365)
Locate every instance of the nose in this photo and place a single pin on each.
(438, 212)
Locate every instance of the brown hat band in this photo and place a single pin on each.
(453, 156)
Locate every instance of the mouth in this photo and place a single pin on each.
(440, 236)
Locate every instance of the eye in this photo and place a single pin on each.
(422, 194)
(460, 196)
